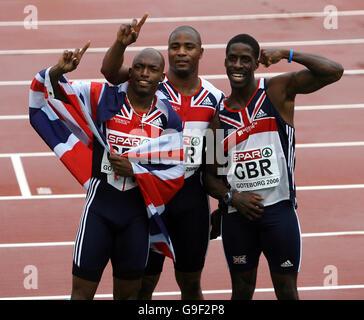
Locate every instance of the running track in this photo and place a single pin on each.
(40, 203)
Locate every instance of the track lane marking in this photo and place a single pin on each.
(82, 195)
(205, 292)
(71, 243)
(20, 175)
(290, 15)
(207, 46)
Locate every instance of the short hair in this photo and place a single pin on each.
(188, 29)
(246, 39)
(151, 51)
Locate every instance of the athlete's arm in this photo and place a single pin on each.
(246, 203)
(282, 89)
(112, 65)
(66, 63)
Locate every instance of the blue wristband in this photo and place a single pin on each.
(290, 56)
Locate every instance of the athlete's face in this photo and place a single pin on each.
(184, 53)
(240, 64)
(146, 72)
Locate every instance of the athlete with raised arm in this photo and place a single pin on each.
(195, 100)
(257, 186)
(121, 187)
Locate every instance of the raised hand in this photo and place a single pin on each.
(70, 59)
(270, 56)
(128, 33)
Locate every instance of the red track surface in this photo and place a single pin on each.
(323, 213)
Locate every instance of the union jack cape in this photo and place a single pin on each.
(69, 129)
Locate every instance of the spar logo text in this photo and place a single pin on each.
(253, 163)
(124, 141)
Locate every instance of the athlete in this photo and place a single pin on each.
(255, 181)
(115, 224)
(195, 100)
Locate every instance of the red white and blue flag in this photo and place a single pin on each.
(69, 129)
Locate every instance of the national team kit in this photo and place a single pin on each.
(261, 158)
(115, 209)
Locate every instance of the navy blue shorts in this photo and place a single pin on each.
(277, 234)
(114, 226)
(187, 219)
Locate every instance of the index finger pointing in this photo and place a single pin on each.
(83, 50)
(141, 22)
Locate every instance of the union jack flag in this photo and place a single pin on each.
(239, 259)
(69, 129)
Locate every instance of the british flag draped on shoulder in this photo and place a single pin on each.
(69, 129)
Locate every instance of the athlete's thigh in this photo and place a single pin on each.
(192, 239)
(130, 248)
(241, 243)
(92, 246)
(188, 224)
(281, 238)
(154, 264)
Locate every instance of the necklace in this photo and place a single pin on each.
(144, 115)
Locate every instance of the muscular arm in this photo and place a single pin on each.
(282, 89)
(112, 64)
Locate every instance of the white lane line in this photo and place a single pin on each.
(205, 292)
(273, 74)
(44, 197)
(71, 243)
(331, 187)
(327, 234)
(27, 154)
(207, 77)
(291, 15)
(82, 195)
(15, 117)
(207, 46)
(330, 144)
(328, 107)
(20, 176)
(37, 244)
(332, 234)
(297, 108)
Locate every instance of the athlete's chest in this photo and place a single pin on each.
(127, 119)
(200, 106)
(252, 115)
(128, 128)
